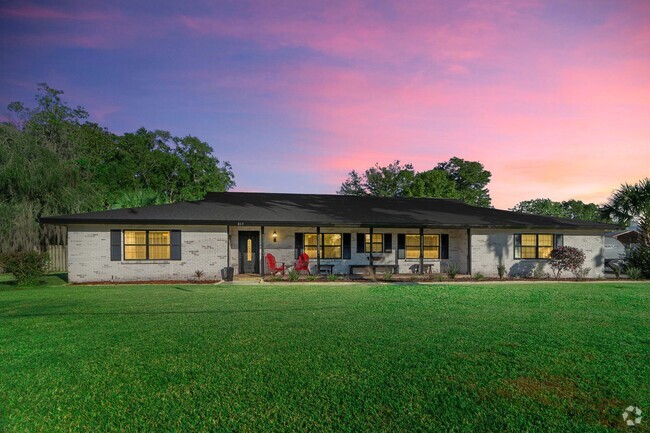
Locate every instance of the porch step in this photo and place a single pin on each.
(247, 277)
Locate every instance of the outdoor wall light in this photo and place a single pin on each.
(275, 236)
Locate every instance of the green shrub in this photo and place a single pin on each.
(388, 275)
(634, 273)
(501, 270)
(566, 259)
(332, 277)
(293, 275)
(312, 277)
(639, 257)
(617, 270)
(479, 276)
(27, 267)
(452, 270)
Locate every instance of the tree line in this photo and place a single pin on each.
(468, 181)
(456, 179)
(53, 160)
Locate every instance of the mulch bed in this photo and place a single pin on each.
(347, 278)
(130, 283)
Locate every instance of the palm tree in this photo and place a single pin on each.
(629, 202)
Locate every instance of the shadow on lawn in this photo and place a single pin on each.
(7, 281)
(155, 313)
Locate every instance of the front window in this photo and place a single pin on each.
(431, 246)
(377, 243)
(331, 245)
(147, 245)
(311, 244)
(534, 246)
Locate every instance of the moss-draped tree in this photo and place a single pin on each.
(54, 161)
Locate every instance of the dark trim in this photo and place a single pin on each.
(370, 261)
(262, 258)
(422, 250)
(401, 245)
(347, 246)
(388, 242)
(397, 252)
(361, 242)
(444, 246)
(175, 244)
(469, 251)
(116, 245)
(298, 244)
(318, 246)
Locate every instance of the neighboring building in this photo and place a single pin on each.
(614, 250)
(629, 237)
(339, 233)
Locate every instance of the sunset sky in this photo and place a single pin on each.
(553, 97)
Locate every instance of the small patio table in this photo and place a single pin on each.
(327, 269)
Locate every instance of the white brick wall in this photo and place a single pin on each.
(491, 246)
(89, 260)
(204, 248)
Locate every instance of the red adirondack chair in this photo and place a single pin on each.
(272, 266)
(302, 264)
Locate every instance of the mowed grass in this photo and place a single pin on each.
(528, 357)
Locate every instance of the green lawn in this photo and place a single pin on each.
(542, 357)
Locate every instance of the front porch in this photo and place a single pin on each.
(350, 251)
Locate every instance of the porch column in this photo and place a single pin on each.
(262, 251)
(421, 250)
(317, 250)
(227, 246)
(370, 255)
(469, 251)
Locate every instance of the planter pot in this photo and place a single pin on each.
(227, 273)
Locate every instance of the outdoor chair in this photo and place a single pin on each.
(302, 264)
(272, 265)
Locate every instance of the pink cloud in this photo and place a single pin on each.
(352, 29)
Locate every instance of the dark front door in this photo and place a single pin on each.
(249, 252)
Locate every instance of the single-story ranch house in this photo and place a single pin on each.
(340, 234)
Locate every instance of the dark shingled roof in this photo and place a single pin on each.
(241, 208)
